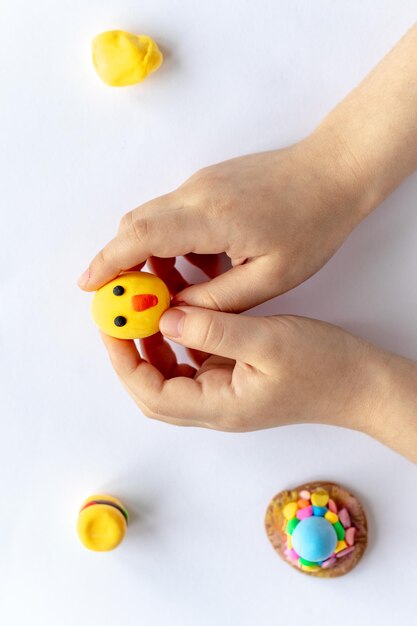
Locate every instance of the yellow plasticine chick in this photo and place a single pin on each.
(130, 306)
(102, 523)
(122, 59)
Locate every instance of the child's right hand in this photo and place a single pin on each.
(278, 215)
(267, 372)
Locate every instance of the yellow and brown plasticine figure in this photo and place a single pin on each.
(102, 523)
(122, 59)
(130, 306)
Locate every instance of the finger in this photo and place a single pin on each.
(180, 400)
(238, 261)
(123, 353)
(159, 353)
(214, 362)
(224, 334)
(166, 270)
(210, 264)
(150, 208)
(142, 380)
(183, 369)
(138, 267)
(238, 289)
(197, 356)
(166, 234)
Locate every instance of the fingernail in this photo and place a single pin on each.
(172, 323)
(84, 278)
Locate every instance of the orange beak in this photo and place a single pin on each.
(144, 301)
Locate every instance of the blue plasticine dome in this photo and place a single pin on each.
(314, 539)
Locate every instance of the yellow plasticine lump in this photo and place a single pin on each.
(130, 306)
(102, 523)
(122, 59)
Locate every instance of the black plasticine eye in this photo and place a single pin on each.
(120, 320)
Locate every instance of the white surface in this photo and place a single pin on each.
(240, 76)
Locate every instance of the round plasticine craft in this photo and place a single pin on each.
(102, 523)
(122, 59)
(319, 528)
(130, 306)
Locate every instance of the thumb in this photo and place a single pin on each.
(228, 335)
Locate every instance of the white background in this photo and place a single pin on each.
(239, 76)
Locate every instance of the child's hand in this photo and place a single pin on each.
(278, 215)
(261, 372)
(265, 372)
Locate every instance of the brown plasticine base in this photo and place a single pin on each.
(274, 521)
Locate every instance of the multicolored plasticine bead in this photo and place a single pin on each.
(341, 545)
(319, 511)
(290, 510)
(307, 511)
(292, 554)
(291, 524)
(331, 505)
(350, 535)
(320, 497)
(331, 517)
(344, 517)
(310, 568)
(340, 531)
(345, 552)
(308, 563)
